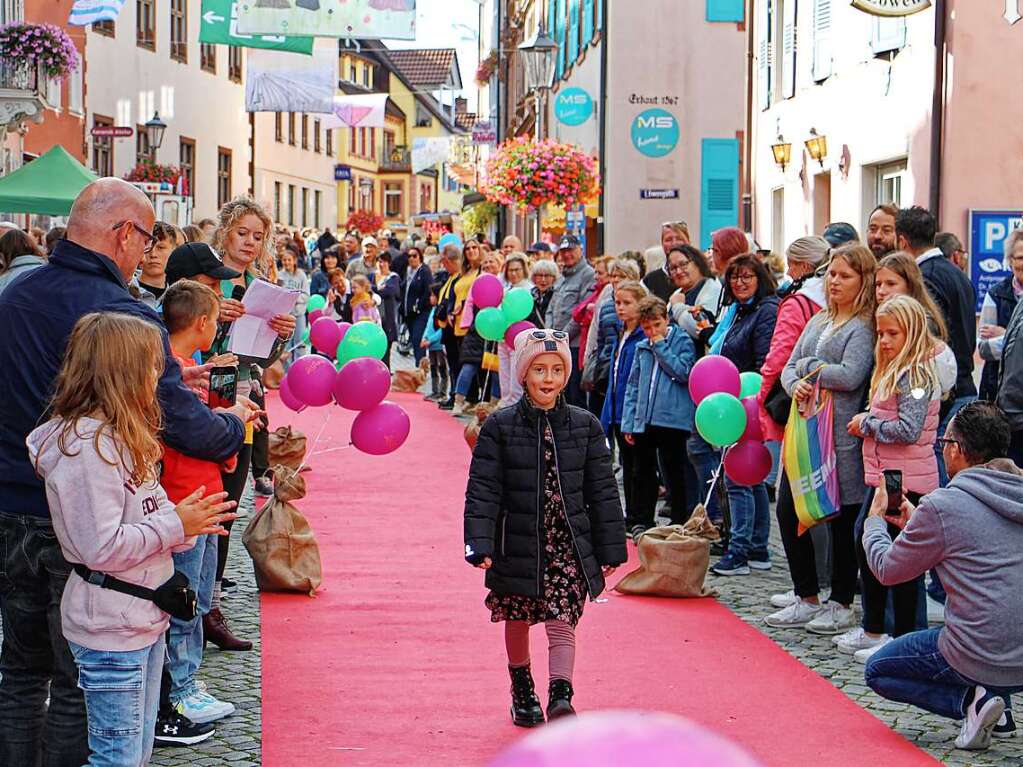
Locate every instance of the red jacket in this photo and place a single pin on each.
(582, 313)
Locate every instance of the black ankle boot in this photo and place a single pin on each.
(560, 701)
(525, 710)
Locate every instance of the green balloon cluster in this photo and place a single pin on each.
(721, 419)
(316, 301)
(750, 384)
(492, 323)
(363, 339)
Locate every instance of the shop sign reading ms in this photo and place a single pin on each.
(655, 132)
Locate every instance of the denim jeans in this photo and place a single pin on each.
(912, 670)
(705, 460)
(465, 378)
(122, 693)
(184, 642)
(35, 661)
(416, 328)
(751, 520)
(774, 447)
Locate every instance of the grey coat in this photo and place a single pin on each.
(1010, 390)
(575, 284)
(848, 358)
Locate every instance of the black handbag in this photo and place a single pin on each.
(778, 404)
(175, 597)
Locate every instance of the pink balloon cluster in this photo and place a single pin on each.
(326, 334)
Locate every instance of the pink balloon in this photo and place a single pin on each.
(314, 315)
(290, 400)
(380, 430)
(748, 463)
(343, 327)
(311, 380)
(624, 739)
(362, 383)
(325, 335)
(753, 431)
(514, 329)
(712, 374)
(487, 291)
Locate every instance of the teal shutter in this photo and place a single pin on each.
(599, 26)
(719, 186)
(726, 10)
(572, 50)
(559, 38)
(587, 22)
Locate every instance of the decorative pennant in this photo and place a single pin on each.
(359, 19)
(288, 82)
(427, 152)
(361, 111)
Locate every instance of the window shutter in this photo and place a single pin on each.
(726, 10)
(719, 187)
(573, 32)
(559, 38)
(599, 23)
(587, 22)
(822, 56)
(889, 34)
(763, 22)
(788, 41)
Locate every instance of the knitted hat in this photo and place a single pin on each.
(529, 345)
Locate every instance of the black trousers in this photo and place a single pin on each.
(670, 444)
(452, 348)
(799, 550)
(626, 457)
(234, 484)
(261, 438)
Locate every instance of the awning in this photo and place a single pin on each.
(47, 185)
(472, 198)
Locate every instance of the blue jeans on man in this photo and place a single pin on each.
(184, 643)
(705, 460)
(416, 329)
(751, 521)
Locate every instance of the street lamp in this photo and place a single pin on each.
(539, 55)
(154, 133)
(782, 152)
(817, 146)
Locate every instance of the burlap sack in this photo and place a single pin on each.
(287, 447)
(280, 541)
(673, 560)
(272, 376)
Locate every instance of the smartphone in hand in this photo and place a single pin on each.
(223, 387)
(893, 486)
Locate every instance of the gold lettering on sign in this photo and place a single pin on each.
(892, 7)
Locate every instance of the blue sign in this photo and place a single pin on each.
(575, 223)
(988, 231)
(573, 106)
(342, 173)
(655, 132)
(658, 194)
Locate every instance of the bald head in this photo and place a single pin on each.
(511, 244)
(99, 208)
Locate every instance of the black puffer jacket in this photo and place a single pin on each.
(503, 500)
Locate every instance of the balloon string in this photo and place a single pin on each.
(316, 442)
(332, 449)
(714, 478)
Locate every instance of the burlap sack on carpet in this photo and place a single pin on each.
(287, 448)
(673, 560)
(280, 541)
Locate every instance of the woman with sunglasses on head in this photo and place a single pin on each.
(543, 519)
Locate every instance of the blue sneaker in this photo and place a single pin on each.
(730, 564)
(760, 560)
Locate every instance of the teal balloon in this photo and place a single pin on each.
(721, 419)
(305, 335)
(750, 384)
(517, 304)
(316, 301)
(491, 324)
(363, 339)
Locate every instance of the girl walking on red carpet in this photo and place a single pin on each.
(543, 518)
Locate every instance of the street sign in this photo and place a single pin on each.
(658, 194)
(219, 24)
(342, 173)
(988, 231)
(892, 7)
(112, 131)
(484, 132)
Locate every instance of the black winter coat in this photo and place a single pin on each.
(748, 340)
(1005, 303)
(953, 292)
(504, 505)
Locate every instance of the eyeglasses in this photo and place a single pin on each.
(678, 268)
(946, 441)
(150, 237)
(744, 277)
(544, 335)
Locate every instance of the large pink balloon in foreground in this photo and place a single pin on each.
(311, 379)
(325, 335)
(380, 430)
(290, 400)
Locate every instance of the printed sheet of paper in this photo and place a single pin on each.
(251, 334)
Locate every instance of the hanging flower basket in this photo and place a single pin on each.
(479, 217)
(153, 172)
(45, 44)
(486, 68)
(365, 222)
(529, 174)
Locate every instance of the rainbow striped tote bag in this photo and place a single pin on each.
(808, 455)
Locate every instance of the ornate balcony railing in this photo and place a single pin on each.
(22, 92)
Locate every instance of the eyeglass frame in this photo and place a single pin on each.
(150, 237)
(679, 268)
(744, 277)
(949, 441)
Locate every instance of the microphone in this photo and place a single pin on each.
(225, 327)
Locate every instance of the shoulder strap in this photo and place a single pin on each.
(105, 581)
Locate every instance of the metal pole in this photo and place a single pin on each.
(938, 107)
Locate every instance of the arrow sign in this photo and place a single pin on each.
(219, 26)
(211, 18)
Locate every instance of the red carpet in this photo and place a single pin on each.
(396, 662)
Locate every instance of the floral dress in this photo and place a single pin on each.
(564, 583)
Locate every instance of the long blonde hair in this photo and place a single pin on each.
(111, 368)
(861, 260)
(916, 358)
(264, 265)
(906, 267)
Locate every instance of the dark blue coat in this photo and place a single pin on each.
(416, 300)
(618, 383)
(37, 316)
(749, 338)
(1005, 302)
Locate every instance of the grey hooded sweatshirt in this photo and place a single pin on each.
(972, 532)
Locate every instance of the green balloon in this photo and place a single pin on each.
(721, 419)
(517, 305)
(363, 339)
(305, 335)
(750, 384)
(316, 301)
(492, 324)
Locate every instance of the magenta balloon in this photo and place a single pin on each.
(290, 400)
(314, 315)
(487, 291)
(748, 463)
(753, 430)
(362, 383)
(624, 739)
(514, 329)
(311, 380)
(711, 374)
(380, 430)
(343, 327)
(325, 335)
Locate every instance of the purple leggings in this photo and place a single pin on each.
(560, 642)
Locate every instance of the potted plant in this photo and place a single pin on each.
(365, 222)
(154, 172)
(45, 45)
(530, 174)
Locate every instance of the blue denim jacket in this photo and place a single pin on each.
(658, 390)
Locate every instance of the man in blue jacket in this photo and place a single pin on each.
(108, 232)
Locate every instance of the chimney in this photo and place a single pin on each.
(461, 106)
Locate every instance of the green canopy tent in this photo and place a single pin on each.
(48, 185)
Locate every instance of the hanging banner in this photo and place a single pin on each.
(285, 82)
(218, 25)
(362, 19)
(427, 152)
(362, 111)
(891, 7)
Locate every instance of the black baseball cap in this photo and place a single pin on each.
(539, 247)
(569, 241)
(194, 258)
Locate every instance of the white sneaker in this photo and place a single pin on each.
(847, 636)
(935, 611)
(784, 600)
(796, 615)
(854, 640)
(981, 719)
(862, 656)
(201, 707)
(833, 619)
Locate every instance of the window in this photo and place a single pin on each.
(373, 143)
(317, 205)
(353, 147)
(367, 71)
(426, 198)
(388, 144)
(186, 158)
(234, 63)
(179, 30)
(305, 131)
(208, 57)
(362, 143)
(291, 128)
(330, 142)
(223, 176)
(54, 93)
(889, 183)
(74, 92)
(351, 193)
(102, 148)
(392, 200)
(291, 204)
(889, 35)
(305, 207)
(145, 24)
(353, 73)
(423, 117)
(277, 201)
(142, 152)
(279, 128)
(822, 55)
(316, 136)
(105, 28)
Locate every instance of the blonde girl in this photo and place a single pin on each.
(364, 307)
(98, 456)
